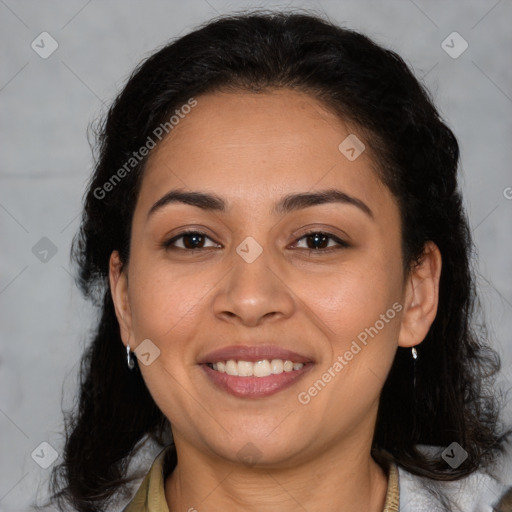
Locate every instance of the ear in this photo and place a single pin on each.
(119, 289)
(421, 297)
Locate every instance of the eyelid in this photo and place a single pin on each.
(341, 243)
(326, 229)
(168, 243)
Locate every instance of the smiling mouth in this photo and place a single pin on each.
(254, 371)
(262, 368)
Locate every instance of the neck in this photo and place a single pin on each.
(345, 479)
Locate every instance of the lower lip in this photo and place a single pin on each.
(254, 387)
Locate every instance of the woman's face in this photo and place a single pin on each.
(253, 286)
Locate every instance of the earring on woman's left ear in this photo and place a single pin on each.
(414, 358)
(129, 359)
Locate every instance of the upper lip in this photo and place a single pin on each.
(252, 353)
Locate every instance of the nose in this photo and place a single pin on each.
(253, 293)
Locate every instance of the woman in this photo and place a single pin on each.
(276, 241)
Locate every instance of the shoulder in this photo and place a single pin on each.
(150, 495)
(478, 492)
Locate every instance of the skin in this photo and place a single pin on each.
(253, 149)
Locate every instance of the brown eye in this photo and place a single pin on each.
(318, 240)
(191, 240)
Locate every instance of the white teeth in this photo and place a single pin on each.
(245, 369)
(276, 366)
(262, 368)
(231, 367)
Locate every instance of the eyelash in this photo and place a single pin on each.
(342, 244)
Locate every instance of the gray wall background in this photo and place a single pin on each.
(47, 104)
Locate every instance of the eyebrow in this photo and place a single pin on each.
(289, 203)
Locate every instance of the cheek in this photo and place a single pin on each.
(165, 301)
(360, 308)
(354, 296)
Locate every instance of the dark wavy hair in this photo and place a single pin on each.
(415, 155)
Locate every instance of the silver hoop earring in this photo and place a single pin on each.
(414, 358)
(129, 359)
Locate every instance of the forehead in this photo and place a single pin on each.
(258, 146)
